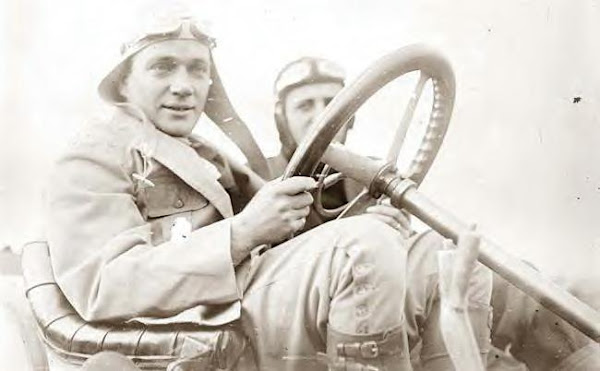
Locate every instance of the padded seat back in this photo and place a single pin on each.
(149, 346)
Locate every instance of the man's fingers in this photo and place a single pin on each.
(298, 224)
(300, 213)
(301, 200)
(297, 218)
(392, 212)
(384, 201)
(383, 210)
(295, 185)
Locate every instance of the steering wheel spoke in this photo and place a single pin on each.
(409, 112)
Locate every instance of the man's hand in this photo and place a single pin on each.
(279, 209)
(391, 216)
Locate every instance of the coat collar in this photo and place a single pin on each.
(182, 160)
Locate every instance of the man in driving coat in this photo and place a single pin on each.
(147, 221)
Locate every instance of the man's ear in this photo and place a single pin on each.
(279, 114)
(124, 88)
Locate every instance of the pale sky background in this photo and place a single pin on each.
(520, 159)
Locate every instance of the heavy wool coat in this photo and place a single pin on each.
(112, 200)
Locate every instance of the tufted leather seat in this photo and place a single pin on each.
(149, 346)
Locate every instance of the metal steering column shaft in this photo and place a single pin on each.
(403, 194)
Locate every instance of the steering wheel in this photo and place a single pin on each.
(381, 178)
(431, 65)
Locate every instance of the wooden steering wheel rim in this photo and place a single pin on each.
(352, 97)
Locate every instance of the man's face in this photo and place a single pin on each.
(304, 103)
(169, 82)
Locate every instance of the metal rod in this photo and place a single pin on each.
(512, 269)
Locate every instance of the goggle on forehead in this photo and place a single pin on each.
(307, 71)
(184, 28)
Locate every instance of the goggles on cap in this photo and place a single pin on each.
(184, 28)
(307, 71)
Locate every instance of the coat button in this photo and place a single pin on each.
(178, 204)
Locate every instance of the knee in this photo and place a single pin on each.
(373, 276)
(375, 253)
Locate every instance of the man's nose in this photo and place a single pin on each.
(181, 84)
(317, 108)
(320, 105)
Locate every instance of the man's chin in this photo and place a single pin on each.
(177, 128)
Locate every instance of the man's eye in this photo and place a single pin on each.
(305, 106)
(162, 67)
(199, 70)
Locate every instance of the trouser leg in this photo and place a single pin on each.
(348, 275)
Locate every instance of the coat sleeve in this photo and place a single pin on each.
(101, 248)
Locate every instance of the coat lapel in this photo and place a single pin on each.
(180, 158)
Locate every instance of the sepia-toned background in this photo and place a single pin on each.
(522, 155)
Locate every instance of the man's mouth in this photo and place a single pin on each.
(178, 107)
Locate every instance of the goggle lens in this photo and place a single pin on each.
(164, 29)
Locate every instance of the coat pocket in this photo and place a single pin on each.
(171, 196)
